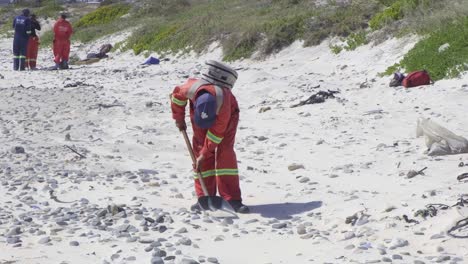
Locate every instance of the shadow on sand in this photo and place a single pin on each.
(284, 211)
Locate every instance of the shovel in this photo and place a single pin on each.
(207, 202)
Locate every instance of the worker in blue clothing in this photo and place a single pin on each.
(22, 26)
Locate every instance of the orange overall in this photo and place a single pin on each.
(63, 31)
(219, 169)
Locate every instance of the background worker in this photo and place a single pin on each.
(62, 33)
(33, 44)
(22, 27)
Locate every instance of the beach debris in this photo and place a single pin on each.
(439, 140)
(463, 176)
(76, 152)
(317, 98)
(413, 173)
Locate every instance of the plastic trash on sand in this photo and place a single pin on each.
(439, 140)
(151, 61)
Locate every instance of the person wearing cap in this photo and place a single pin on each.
(214, 114)
(62, 33)
(22, 27)
(33, 44)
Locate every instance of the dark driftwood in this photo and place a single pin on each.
(54, 197)
(462, 176)
(76, 152)
(100, 106)
(317, 98)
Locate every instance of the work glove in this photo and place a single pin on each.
(180, 124)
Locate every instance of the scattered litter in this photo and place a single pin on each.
(373, 112)
(460, 225)
(358, 218)
(462, 176)
(439, 140)
(151, 61)
(410, 221)
(413, 173)
(431, 210)
(317, 98)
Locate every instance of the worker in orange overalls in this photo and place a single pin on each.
(33, 44)
(214, 114)
(62, 33)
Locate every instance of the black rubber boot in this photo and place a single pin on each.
(195, 207)
(239, 207)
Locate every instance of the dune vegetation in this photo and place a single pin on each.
(245, 28)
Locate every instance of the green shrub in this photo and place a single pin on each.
(340, 21)
(49, 9)
(282, 32)
(47, 38)
(355, 40)
(395, 11)
(103, 15)
(445, 64)
(241, 46)
(336, 49)
(165, 39)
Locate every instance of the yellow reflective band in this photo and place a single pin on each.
(179, 102)
(22, 57)
(218, 172)
(213, 138)
(205, 174)
(225, 172)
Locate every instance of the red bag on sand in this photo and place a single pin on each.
(417, 78)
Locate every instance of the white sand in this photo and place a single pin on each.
(355, 167)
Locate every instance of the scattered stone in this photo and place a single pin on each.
(295, 166)
(132, 239)
(157, 260)
(219, 238)
(44, 240)
(349, 247)
(301, 230)
(212, 260)
(437, 236)
(159, 253)
(396, 256)
(74, 243)
(13, 240)
(397, 243)
(14, 231)
(188, 261)
(385, 259)
(304, 179)
(279, 225)
(185, 241)
(442, 259)
(349, 235)
(264, 109)
(146, 241)
(17, 150)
